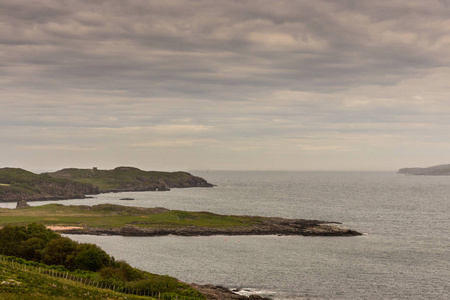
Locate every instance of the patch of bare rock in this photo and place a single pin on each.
(213, 292)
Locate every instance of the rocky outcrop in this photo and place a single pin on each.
(439, 170)
(214, 292)
(22, 204)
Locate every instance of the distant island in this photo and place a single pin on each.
(439, 170)
(18, 184)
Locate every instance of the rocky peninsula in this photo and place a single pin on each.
(267, 226)
(439, 170)
(109, 219)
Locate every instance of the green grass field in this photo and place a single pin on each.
(112, 216)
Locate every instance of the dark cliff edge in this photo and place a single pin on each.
(439, 170)
(130, 179)
(18, 184)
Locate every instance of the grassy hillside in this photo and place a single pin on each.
(25, 280)
(18, 184)
(131, 179)
(18, 283)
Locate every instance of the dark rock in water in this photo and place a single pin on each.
(22, 204)
(162, 186)
(126, 198)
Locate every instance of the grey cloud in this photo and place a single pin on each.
(87, 72)
(146, 47)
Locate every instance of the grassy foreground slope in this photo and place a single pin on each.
(131, 179)
(17, 283)
(18, 184)
(37, 262)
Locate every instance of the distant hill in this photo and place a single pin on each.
(439, 170)
(18, 184)
(131, 179)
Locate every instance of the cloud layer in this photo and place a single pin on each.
(224, 84)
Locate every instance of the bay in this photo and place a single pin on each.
(403, 255)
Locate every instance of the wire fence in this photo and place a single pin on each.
(97, 284)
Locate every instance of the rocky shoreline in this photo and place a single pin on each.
(22, 197)
(213, 292)
(269, 226)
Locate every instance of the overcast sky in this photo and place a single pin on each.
(222, 84)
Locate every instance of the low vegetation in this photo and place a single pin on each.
(42, 249)
(19, 283)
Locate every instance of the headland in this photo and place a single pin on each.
(439, 170)
(18, 184)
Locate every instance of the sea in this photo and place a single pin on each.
(403, 254)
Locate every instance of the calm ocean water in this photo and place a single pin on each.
(405, 253)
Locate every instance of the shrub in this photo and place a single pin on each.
(91, 257)
(60, 251)
(121, 271)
